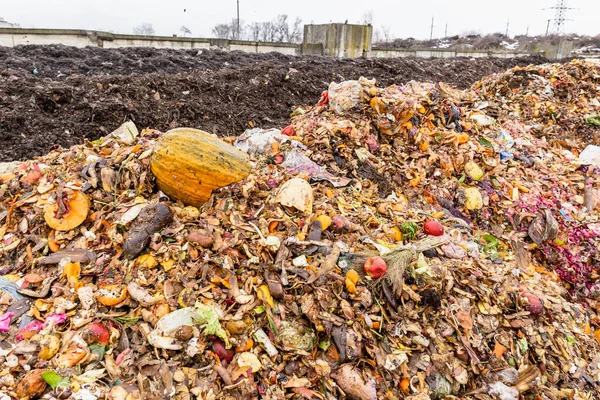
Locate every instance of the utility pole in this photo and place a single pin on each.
(431, 30)
(547, 26)
(527, 31)
(507, 23)
(237, 35)
(446, 30)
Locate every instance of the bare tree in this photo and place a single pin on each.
(237, 29)
(386, 33)
(254, 30)
(297, 31)
(377, 35)
(268, 32)
(185, 30)
(222, 31)
(278, 30)
(367, 18)
(144, 28)
(229, 31)
(282, 29)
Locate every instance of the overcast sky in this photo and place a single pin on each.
(404, 18)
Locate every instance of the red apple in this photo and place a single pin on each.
(375, 267)
(433, 228)
(96, 333)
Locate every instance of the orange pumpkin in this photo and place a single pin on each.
(189, 164)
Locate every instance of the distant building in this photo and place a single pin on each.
(5, 24)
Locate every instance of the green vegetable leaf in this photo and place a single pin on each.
(272, 325)
(97, 349)
(54, 380)
(491, 242)
(128, 320)
(409, 229)
(324, 344)
(593, 120)
(209, 318)
(523, 345)
(486, 143)
(259, 309)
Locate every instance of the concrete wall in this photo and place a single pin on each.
(340, 40)
(386, 52)
(11, 37)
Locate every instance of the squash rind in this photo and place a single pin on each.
(189, 164)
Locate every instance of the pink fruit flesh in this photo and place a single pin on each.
(338, 222)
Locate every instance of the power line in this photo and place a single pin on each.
(560, 13)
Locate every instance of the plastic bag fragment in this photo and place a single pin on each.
(345, 95)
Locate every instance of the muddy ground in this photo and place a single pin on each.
(59, 96)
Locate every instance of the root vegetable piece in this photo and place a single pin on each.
(201, 239)
(32, 385)
(350, 380)
(141, 295)
(77, 206)
(224, 354)
(189, 164)
(150, 220)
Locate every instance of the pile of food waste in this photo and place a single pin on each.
(412, 241)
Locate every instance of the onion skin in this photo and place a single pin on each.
(223, 353)
(534, 303)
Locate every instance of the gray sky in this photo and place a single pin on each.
(404, 18)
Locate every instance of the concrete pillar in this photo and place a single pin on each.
(339, 40)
